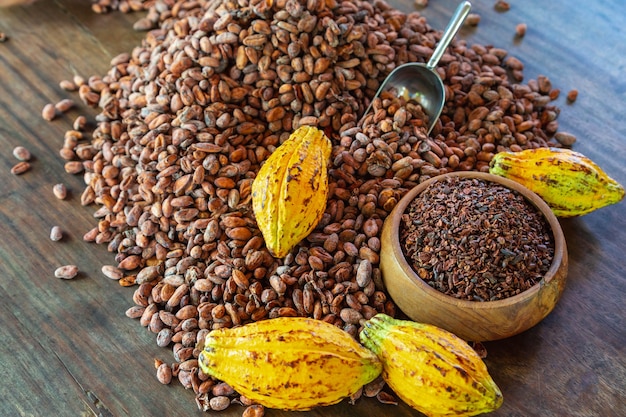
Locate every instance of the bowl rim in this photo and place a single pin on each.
(560, 250)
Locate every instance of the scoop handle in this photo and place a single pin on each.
(453, 27)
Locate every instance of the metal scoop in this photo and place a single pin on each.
(420, 82)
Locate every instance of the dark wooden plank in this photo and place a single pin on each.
(68, 345)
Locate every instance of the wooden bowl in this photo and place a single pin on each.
(470, 320)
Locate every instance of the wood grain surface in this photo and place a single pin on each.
(66, 347)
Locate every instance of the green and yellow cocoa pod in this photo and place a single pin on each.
(289, 363)
(290, 190)
(569, 182)
(431, 369)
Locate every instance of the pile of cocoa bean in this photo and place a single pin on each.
(187, 118)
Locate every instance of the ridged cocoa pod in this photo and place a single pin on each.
(431, 369)
(289, 363)
(568, 181)
(290, 191)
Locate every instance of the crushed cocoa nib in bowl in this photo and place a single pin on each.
(476, 240)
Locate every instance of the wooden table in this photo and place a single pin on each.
(66, 347)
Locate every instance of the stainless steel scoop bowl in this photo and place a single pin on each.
(421, 82)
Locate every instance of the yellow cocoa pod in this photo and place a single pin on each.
(569, 182)
(290, 190)
(431, 369)
(289, 363)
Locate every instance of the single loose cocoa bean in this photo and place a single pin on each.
(66, 272)
(64, 105)
(21, 153)
(59, 191)
(20, 168)
(56, 233)
(112, 272)
(164, 374)
(48, 112)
